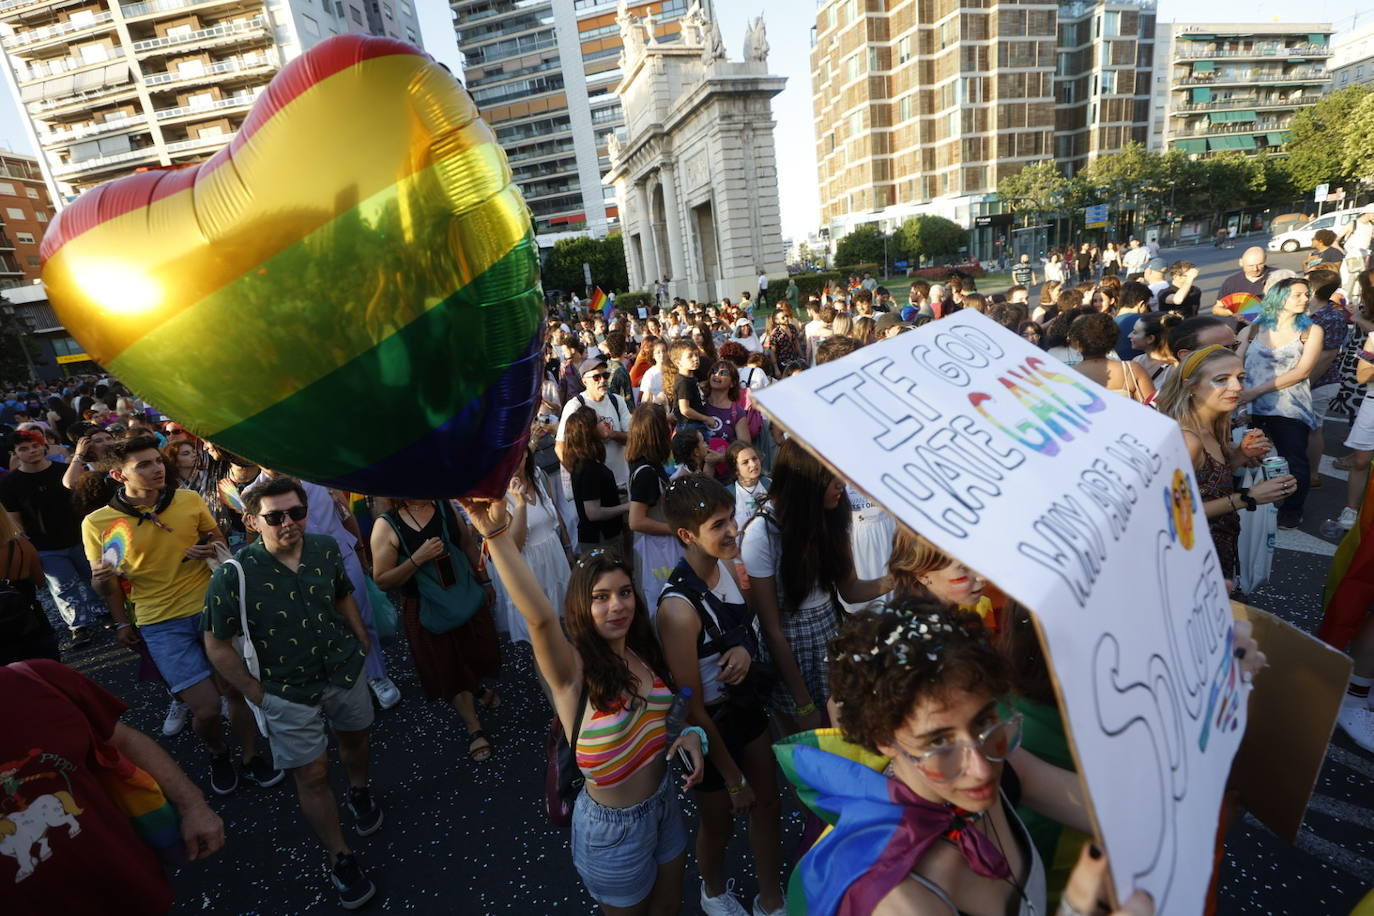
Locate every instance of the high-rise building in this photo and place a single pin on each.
(1220, 87)
(25, 210)
(110, 88)
(1352, 58)
(923, 107)
(543, 73)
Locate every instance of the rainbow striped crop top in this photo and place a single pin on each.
(613, 746)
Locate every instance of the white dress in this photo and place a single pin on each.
(870, 536)
(544, 554)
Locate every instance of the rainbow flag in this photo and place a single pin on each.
(1349, 592)
(328, 221)
(601, 303)
(115, 541)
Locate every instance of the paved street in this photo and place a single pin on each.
(471, 838)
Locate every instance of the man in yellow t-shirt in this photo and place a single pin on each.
(166, 536)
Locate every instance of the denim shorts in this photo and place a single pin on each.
(178, 649)
(617, 851)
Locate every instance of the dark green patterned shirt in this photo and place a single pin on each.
(304, 644)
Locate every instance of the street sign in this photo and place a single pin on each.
(899, 263)
(587, 273)
(1095, 217)
(74, 358)
(1321, 192)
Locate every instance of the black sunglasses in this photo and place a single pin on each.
(599, 376)
(297, 513)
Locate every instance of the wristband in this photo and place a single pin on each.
(701, 736)
(806, 710)
(120, 626)
(735, 790)
(498, 531)
(1366, 356)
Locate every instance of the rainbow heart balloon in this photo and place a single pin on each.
(348, 292)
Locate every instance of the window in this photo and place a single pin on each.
(25, 238)
(310, 26)
(41, 216)
(1108, 81)
(386, 8)
(32, 260)
(31, 193)
(853, 66)
(904, 50)
(16, 213)
(355, 15)
(904, 108)
(1112, 23)
(873, 59)
(6, 188)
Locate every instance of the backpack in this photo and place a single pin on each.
(21, 616)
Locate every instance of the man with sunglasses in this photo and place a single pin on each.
(614, 414)
(158, 537)
(310, 643)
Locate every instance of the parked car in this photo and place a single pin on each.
(1301, 237)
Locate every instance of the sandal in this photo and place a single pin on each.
(490, 699)
(484, 751)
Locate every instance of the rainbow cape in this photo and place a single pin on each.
(1349, 591)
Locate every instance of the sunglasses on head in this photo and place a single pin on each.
(275, 518)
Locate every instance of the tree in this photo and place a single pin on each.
(1037, 188)
(563, 267)
(1230, 180)
(929, 236)
(863, 245)
(1321, 140)
(1358, 155)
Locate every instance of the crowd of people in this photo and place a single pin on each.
(706, 602)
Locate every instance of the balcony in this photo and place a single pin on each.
(1310, 49)
(77, 91)
(17, 9)
(219, 68)
(137, 10)
(66, 135)
(1184, 108)
(5, 243)
(239, 29)
(9, 267)
(33, 38)
(104, 162)
(242, 100)
(214, 141)
(1293, 76)
(1239, 127)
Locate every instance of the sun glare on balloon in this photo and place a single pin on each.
(118, 287)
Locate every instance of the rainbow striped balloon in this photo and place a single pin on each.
(348, 292)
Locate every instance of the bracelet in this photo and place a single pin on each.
(701, 736)
(498, 531)
(1366, 356)
(735, 790)
(120, 626)
(806, 710)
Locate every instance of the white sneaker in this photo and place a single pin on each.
(725, 904)
(1348, 518)
(760, 911)
(176, 718)
(388, 694)
(1357, 722)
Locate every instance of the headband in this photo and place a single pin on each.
(1196, 358)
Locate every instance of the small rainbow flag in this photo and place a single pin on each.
(229, 495)
(601, 303)
(115, 541)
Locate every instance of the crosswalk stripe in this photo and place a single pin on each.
(1351, 761)
(1340, 810)
(1332, 854)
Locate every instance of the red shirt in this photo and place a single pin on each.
(64, 846)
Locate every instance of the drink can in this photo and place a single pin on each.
(1274, 466)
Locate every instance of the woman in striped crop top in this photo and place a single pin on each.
(607, 674)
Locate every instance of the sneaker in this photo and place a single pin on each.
(367, 814)
(1357, 721)
(725, 904)
(1348, 518)
(81, 637)
(223, 777)
(388, 694)
(354, 887)
(260, 773)
(760, 911)
(177, 713)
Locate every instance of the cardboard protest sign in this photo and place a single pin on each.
(1293, 709)
(1082, 505)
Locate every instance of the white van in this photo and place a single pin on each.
(1301, 237)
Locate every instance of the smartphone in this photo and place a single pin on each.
(443, 567)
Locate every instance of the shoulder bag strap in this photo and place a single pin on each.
(578, 716)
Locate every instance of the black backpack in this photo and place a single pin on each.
(21, 616)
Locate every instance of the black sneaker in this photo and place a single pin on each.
(367, 814)
(260, 773)
(223, 777)
(353, 885)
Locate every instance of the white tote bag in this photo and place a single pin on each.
(1258, 530)
(243, 644)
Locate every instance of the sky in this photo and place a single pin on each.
(789, 38)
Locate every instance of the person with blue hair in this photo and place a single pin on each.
(1279, 352)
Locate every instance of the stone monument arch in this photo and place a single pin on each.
(694, 168)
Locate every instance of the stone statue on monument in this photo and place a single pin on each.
(756, 42)
(631, 32)
(712, 45)
(693, 25)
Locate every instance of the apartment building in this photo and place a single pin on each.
(1222, 87)
(110, 88)
(1352, 58)
(923, 107)
(25, 210)
(543, 73)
